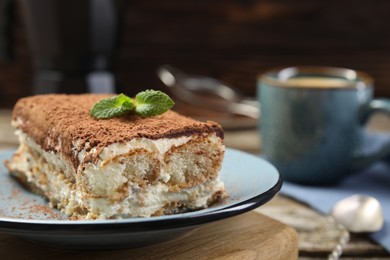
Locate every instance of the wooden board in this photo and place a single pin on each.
(249, 236)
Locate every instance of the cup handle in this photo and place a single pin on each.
(374, 106)
(374, 146)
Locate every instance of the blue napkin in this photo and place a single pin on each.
(373, 181)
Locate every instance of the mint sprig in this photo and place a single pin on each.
(147, 103)
(152, 103)
(112, 106)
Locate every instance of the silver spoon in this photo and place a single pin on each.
(358, 214)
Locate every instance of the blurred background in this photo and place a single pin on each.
(102, 45)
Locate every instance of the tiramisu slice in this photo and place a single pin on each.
(127, 166)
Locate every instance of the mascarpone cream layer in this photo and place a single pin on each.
(108, 188)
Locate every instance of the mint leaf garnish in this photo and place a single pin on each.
(112, 107)
(152, 103)
(147, 103)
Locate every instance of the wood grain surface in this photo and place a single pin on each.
(317, 235)
(249, 236)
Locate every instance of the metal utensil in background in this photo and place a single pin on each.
(342, 241)
(358, 214)
(208, 93)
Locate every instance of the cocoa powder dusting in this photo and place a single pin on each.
(56, 121)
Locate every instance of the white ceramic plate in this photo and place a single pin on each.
(249, 181)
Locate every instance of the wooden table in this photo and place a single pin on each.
(317, 236)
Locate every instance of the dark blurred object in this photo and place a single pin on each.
(6, 38)
(15, 65)
(73, 45)
(232, 41)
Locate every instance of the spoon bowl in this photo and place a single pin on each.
(359, 213)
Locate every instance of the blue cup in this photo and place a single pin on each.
(313, 119)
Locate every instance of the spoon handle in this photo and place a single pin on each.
(343, 241)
